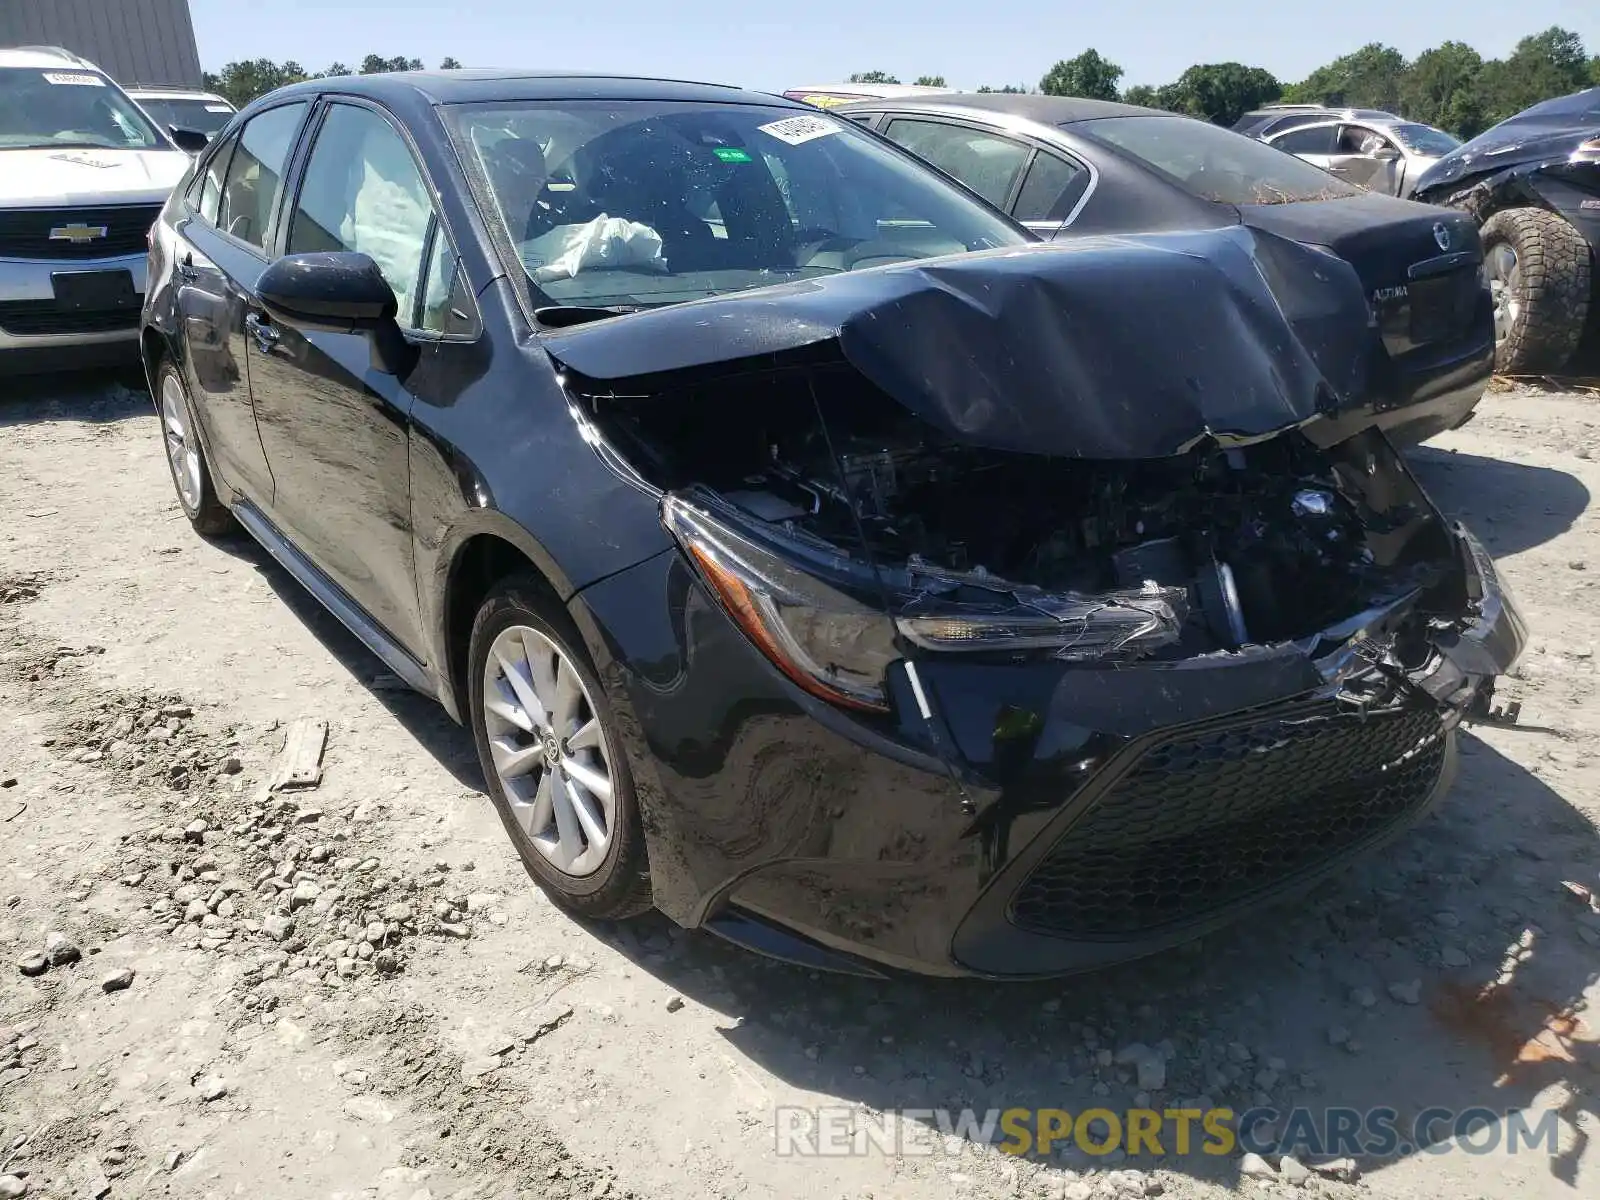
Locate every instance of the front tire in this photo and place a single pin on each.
(551, 756)
(1539, 270)
(186, 456)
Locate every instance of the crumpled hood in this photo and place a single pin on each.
(1104, 347)
(1525, 138)
(64, 178)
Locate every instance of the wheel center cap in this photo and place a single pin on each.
(552, 749)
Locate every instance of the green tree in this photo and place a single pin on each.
(1368, 78)
(1442, 88)
(334, 71)
(873, 77)
(1010, 89)
(1219, 92)
(376, 64)
(1594, 69)
(931, 81)
(242, 82)
(1089, 75)
(1141, 94)
(450, 64)
(1544, 65)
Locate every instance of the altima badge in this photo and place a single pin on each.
(1441, 234)
(78, 235)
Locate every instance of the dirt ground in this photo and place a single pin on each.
(354, 991)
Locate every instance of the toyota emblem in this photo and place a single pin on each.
(1441, 234)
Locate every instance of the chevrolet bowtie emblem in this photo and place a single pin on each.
(78, 234)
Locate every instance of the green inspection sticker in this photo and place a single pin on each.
(732, 154)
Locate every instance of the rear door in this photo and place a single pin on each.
(220, 254)
(335, 428)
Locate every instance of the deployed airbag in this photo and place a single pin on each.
(1106, 347)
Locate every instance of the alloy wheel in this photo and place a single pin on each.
(182, 450)
(1505, 285)
(548, 750)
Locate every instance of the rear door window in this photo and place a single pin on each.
(986, 163)
(254, 181)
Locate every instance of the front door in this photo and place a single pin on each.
(1367, 159)
(335, 428)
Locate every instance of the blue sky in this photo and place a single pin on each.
(970, 42)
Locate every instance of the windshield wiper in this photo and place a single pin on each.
(563, 316)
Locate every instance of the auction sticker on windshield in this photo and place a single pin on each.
(799, 130)
(73, 79)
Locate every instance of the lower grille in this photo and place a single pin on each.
(23, 318)
(1207, 819)
(1442, 308)
(79, 233)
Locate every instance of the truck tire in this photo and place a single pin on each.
(1539, 269)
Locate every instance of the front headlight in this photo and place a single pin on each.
(840, 649)
(1072, 627)
(833, 646)
(1588, 151)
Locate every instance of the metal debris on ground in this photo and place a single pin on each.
(300, 765)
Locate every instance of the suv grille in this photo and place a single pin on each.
(1207, 819)
(25, 232)
(33, 317)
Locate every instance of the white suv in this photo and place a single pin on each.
(83, 174)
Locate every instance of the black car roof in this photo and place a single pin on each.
(468, 86)
(1047, 110)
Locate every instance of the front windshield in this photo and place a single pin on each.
(50, 108)
(1424, 139)
(1217, 164)
(626, 204)
(187, 112)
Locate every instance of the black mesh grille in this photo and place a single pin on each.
(33, 317)
(1207, 819)
(26, 232)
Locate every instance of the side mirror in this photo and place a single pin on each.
(338, 293)
(192, 140)
(1386, 154)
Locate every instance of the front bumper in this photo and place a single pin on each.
(1043, 820)
(36, 334)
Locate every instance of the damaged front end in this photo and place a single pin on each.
(1293, 623)
(847, 536)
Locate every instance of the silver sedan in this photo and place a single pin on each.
(1382, 156)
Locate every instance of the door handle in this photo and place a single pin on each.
(261, 330)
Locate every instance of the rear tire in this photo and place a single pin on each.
(578, 830)
(1539, 268)
(186, 455)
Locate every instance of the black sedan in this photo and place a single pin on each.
(1067, 167)
(813, 554)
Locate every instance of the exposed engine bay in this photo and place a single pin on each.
(1230, 545)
